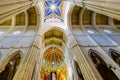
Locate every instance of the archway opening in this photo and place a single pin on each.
(105, 72)
(53, 65)
(78, 70)
(115, 57)
(10, 68)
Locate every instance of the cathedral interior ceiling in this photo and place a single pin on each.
(75, 15)
(53, 42)
(53, 33)
(53, 55)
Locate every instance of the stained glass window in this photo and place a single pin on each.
(53, 10)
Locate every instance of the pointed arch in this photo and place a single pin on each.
(115, 55)
(105, 72)
(56, 32)
(87, 17)
(54, 28)
(11, 63)
(78, 70)
(75, 15)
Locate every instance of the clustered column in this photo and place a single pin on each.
(86, 70)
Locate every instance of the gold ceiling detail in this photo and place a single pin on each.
(53, 41)
(53, 33)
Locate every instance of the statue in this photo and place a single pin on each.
(53, 76)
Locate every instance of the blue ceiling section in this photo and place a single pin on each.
(53, 9)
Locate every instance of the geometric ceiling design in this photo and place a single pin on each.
(53, 10)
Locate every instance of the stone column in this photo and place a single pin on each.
(25, 71)
(86, 70)
(10, 8)
(13, 21)
(110, 21)
(26, 18)
(80, 18)
(74, 71)
(68, 61)
(93, 18)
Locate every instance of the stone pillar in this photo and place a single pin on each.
(110, 21)
(13, 21)
(86, 70)
(25, 71)
(68, 61)
(10, 8)
(74, 71)
(93, 18)
(26, 18)
(80, 18)
(39, 63)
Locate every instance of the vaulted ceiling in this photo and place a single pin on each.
(53, 55)
(20, 19)
(54, 40)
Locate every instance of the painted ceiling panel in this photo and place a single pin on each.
(53, 33)
(87, 17)
(75, 15)
(53, 10)
(53, 55)
(32, 16)
(20, 19)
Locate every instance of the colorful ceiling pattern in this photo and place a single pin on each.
(53, 10)
(53, 55)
